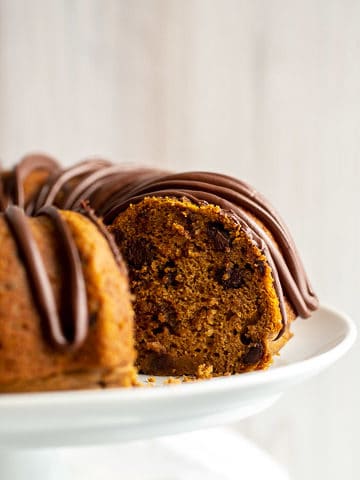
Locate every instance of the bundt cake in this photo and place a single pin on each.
(66, 320)
(215, 275)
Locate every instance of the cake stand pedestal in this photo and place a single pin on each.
(39, 432)
(203, 455)
(37, 464)
(138, 452)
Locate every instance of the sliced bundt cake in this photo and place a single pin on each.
(215, 274)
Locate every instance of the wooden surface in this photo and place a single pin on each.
(266, 90)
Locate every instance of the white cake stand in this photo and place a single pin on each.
(34, 427)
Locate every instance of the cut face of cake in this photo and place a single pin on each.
(204, 295)
(66, 320)
(216, 276)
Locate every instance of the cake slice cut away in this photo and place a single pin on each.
(216, 276)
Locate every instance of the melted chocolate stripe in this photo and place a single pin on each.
(3, 197)
(303, 302)
(76, 288)
(103, 189)
(123, 191)
(34, 265)
(95, 179)
(83, 189)
(27, 165)
(90, 214)
(12, 182)
(98, 181)
(258, 205)
(56, 183)
(40, 283)
(277, 225)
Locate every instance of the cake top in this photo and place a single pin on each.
(110, 188)
(245, 205)
(16, 209)
(72, 333)
(12, 183)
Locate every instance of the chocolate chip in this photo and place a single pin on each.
(92, 318)
(142, 216)
(118, 236)
(159, 329)
(219, 236)
(245, 338)
(169, 264)
(190, 221)
(254, 355)
(168, 273)
(248, 267)
(168, 314)
(260, 266)
(232, 277)
(166, 317)
(139, 252)
(161, 363)
(230, 314)
(170, 278)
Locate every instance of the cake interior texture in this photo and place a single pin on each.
(205, 303)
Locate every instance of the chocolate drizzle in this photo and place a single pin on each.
(67, 327)
(110, 189)
(89, 213)
(96, 181)
(12, 183)
(243, 203)
(63, 336)
(61, 184)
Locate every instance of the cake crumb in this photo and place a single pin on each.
(151, 380)
(204, 371)
(172, 381)
(137, 383)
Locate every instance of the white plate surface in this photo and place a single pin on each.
(105, 416)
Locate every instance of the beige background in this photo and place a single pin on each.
(267, 90)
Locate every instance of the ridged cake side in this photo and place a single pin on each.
(29, 359)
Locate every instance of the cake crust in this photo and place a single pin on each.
(28, 361)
